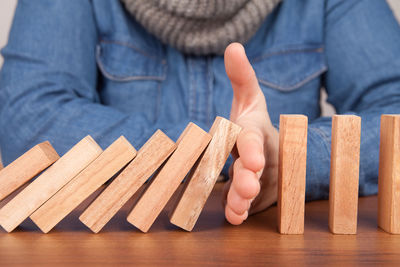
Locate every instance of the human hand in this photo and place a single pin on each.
(252, 186)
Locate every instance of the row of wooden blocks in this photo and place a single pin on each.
(344, 174)
(85, 168)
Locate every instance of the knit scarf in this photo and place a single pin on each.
(201, 27)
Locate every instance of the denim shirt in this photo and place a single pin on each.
(80, 67)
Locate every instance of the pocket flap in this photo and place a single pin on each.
(290, 68)
(124, 62)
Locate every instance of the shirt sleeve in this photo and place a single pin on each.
(363, 56)
(48, 84)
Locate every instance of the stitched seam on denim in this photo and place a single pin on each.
(159, 100)
(158, 103)
(319, 50)
(127, 78)
(296, 85)
(210, 90)
(192, 96)
(163, 61)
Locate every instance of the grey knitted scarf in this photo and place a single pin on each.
(201, 27)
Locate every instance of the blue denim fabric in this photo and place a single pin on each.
(81, 67)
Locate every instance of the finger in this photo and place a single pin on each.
(250, 144)
(236, 203)
(233, 218)
(241, 74)
(245, 181)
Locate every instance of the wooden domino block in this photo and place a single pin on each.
(113, 159)
(203, 176)
(26, 167)
(389, 175)
(48, 183)
(345, 161)
(292, 173)
(190, 145)
(149, 158)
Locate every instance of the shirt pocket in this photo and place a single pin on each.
(289, 68)
(132, 77)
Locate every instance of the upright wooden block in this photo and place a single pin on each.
(113, 159)
(292, 173)
(345, 161)
(48, 183)
(190, 145)
(203, 176)
(149, 158)
(26, 167)
(389, 175)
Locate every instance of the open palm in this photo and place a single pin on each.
(253, 176)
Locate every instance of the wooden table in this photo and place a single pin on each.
(213, 241)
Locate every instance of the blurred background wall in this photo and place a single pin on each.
(7, 8)
(396, 7)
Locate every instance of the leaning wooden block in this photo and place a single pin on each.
(113, 159)
(26, 167)
(48, 183)
(149, 158)
(389, 175)
(345, 161)
(203, 176)
(292, 173)
(190, 145)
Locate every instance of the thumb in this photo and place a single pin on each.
(242, 76)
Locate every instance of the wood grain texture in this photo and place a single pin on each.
(344, 174)
(190, 145)
(149, 158)
(292, 173)
(389, 175)
(203, 176)
(27, 166)
(213, 242)
(112, 160)
(48, 183)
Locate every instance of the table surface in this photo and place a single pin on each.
(212, 242)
